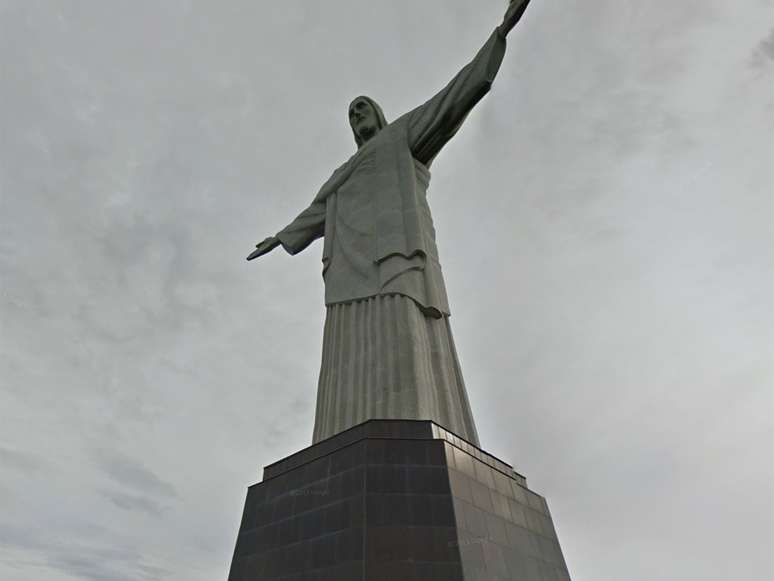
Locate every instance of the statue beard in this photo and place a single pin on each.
(368, 132)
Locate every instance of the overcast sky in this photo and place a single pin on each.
(605, 221)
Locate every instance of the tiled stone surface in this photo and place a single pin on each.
(397, 500)
(389, 429)
(505, 530)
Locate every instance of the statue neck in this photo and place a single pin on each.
(368, 133)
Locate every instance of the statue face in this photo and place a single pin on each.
(363, 119)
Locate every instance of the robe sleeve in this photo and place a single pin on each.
(310, 224)
(308, 227)
(433, 124)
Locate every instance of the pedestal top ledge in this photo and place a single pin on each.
(386, 430)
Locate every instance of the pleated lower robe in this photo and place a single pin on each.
(384, 359)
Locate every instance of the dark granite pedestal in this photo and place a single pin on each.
(395, 500)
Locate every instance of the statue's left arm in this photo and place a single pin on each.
(433, 124)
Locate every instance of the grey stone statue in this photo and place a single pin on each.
(388, 351)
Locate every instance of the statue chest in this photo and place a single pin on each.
(373, 189)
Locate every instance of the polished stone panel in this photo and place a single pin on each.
(395, 499)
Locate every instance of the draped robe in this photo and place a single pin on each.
(388, 352)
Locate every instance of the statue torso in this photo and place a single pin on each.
(380, 237)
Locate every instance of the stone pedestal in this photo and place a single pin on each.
(395, 500)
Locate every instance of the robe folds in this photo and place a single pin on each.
(384, 359)
(379, 241)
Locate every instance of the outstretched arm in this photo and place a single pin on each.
(433, 124)
(264, 247)
(308, 227)
(310, 224)
(515, 11)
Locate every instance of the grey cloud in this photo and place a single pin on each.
(19, 537)
(134, 503)
(132, 473)
(88, 567)
(764, 52)
(106, 565)
(81, 553)
(26, 463)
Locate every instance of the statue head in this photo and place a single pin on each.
(366, 119)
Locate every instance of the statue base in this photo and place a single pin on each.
(395, 500)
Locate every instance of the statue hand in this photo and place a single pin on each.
(265, 247)
(514, 13)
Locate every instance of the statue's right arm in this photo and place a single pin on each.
(264, 247)
(305, 229)
(310, 224)
(300, 233)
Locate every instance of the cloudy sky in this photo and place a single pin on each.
(605, 221)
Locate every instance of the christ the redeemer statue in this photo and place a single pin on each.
(388, 351)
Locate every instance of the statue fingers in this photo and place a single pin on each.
(516, 10)
(254, 255)
(264, 247)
